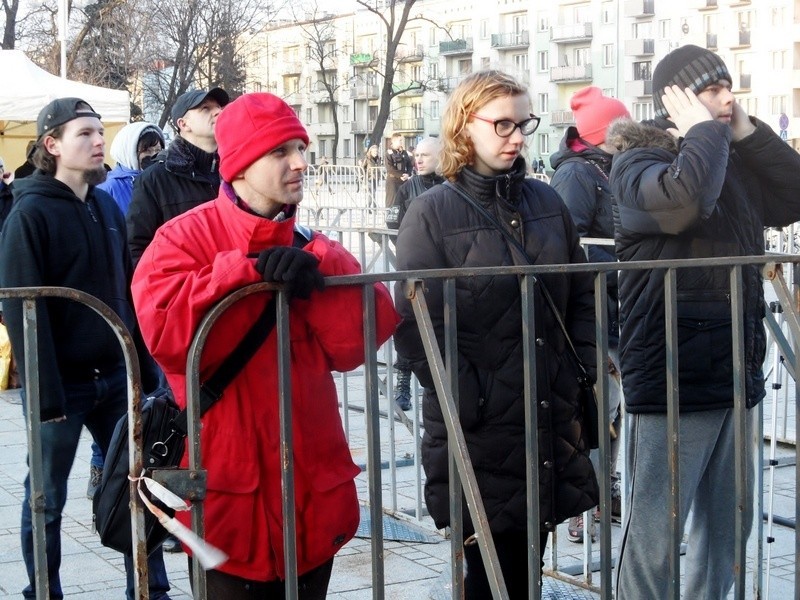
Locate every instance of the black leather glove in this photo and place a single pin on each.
(296, 268)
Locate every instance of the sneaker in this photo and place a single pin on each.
(95, 477)
(171, 544)
(403, 396)
(575, 530)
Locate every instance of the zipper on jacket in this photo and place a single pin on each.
(91, 212)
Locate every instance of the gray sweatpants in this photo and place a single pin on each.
(706, 486)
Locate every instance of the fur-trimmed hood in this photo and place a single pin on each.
(625, 134)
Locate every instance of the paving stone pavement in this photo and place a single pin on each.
(412, 570)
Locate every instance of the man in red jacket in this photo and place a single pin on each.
(247, 235)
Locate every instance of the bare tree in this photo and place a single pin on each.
(395, 25)
(320, 34)
(10, 10)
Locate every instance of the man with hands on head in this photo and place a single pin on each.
(702, 180)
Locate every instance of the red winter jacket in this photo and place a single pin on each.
(194, 261)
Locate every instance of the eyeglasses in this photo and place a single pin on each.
(505, 127)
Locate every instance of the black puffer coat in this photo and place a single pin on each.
(441, 230)
(709, 197)
(184, 177)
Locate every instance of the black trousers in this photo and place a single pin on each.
(512, 552)
(311, 586)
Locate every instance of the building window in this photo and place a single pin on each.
(543, 104)
(543, 22)
(641, 71)
(432, 36)
(308, 116)
(345, 110)
(347, 151)
(608, 10)
(542, 61)
(434, 109)
(665, 29)
(484, 28)
(749, 104)
(433, 70)
(641, 111)
(544, 143)
(777, 105)
(778, 60)
(608, 55)
(485, 63)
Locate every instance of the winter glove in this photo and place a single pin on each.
(292, 266)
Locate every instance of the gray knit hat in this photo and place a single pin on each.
(688, 66)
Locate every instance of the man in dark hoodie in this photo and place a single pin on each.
(707, 190)
(186, 173)
(63, 231)
(582, 165)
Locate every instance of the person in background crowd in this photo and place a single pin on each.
(426, 159)
(134, 149)
(246, 235)
(64, 231)
(399, 167)
(582, 165)
(371, 163)
(6, 192)
(26, 168)
(185, 174)
(703, 180)
(484, 127)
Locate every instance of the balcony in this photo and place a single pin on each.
(292, 67)
(562, 118)
(744, 39)
(744, 82)
(639, 8)
(448, 84)
(706, 4)
(408, 124)
(643, 47)
(412, 88)
(293, 98)
(360, 126)
(711, 41)
(569, 74)
(454, 47)
(410, 54)
(511, 41)
(578, 32)
(361, 59)
(320, 96)
(639, 88)
(363, 91)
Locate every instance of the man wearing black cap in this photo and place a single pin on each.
(63, 231)
(703, 182)
(186, 172)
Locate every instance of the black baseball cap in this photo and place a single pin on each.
(194, 98)
(60, 111)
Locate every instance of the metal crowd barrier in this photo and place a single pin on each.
(445, 381)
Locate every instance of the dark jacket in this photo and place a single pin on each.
(581, 179)
(398, 163)
(706, 197)
(52, 238)
(441, 231)
(6, 200)
(184, 177)
(408, 192)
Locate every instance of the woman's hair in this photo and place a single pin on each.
(147, 140)
(474, 92)
(42, 159)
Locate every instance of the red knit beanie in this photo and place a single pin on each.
(593, 112)
(251, 126)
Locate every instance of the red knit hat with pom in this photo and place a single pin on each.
(251, 126)
(593, 112)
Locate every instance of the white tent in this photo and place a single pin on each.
(29, 88)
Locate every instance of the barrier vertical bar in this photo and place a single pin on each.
(673, 431)
(741, 439)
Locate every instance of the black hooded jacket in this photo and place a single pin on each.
(581, 179)
(701, 197)
(184, 177)
(440, 230)
(52, 238)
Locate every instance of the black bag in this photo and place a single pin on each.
(164, 429)
(162, 447)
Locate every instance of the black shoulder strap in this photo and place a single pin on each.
(211, 391)
(519, 248)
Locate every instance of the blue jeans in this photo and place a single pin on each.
(98, 404)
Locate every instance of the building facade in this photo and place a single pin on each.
(330, 66)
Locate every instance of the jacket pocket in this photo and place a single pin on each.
(705, 342)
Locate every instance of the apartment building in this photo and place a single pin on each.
(556, 48)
